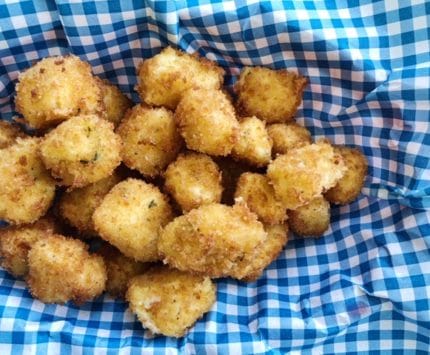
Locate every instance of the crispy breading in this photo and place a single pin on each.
(271, 95)
(193, 180)
(164, 78)
(169, 301)
(62, 269)
(304, 173)
(253, 144)
(130, 217)
(255, 191)
(211, 239)
(26, 189)
(286, 136)
(55, 89)
(9, 132)
(312, 219)
(81, 151)
(150, 139)
(349, 186)
(207, 121)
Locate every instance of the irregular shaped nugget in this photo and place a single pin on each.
(16, 241)
(286, 136)
(9, 133)
(349, 186)
(130, 218)
(77, 206)
(120, 270)
(271, 95)
(169, 301)
(163, 79)
(62, 269)
(255, 191)
(26, 189)
(81, 151)
(312, 219)
(253, 144)
(193, 180)
(150, 139)
(207, 121)
(304, 173)
(211, 239)
(55, 89)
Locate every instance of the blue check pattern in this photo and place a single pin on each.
(365, 286)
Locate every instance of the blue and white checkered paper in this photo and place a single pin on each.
(365, 286)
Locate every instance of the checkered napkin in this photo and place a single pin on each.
(365, 286)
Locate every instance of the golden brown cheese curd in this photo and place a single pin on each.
(55, 89)
(120, 270)
(252, 266)
(193, 180)
(163, 79)
(271, 95)
(62, 269)
(211, 239)
(115, 102)
(207, 121)
(349, 186)
(130, 218)
(169, 301)
(286, 136)
(81, 151)
(253, 144)
(150, 139)
(255, 191)
(304, 173)
(26, 189)
(9, 132)
(16, 241)
(310, 220)
(76, 207)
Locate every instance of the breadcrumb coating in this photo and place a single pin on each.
(9, 132)
(286, 136)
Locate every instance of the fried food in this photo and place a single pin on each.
(304, 173)
(115, 102)
(120, 270)
(16, 241)
(62, 269)
(164, 78)
(211, 239)
(55, 89)
(76, 207)
(81, 151)
(253, 144)
(168, 301)
(9, 133)
(207, 121)
(271, 95)
(150, 139)
(26, 189)
(349, 186)
(252, 266)
(255, 191)
(310, 220)
(286, 136)
(193, 180)
(130, 217)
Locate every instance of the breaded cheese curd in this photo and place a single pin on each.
(55, 89)
(286, 136)
(81, 151)
(271, 95)
(62, 269)
(163, 79)
(26, 189)
(130, 218)
(193, 180)
(150, 139)
(9, 132)
(169, 301)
